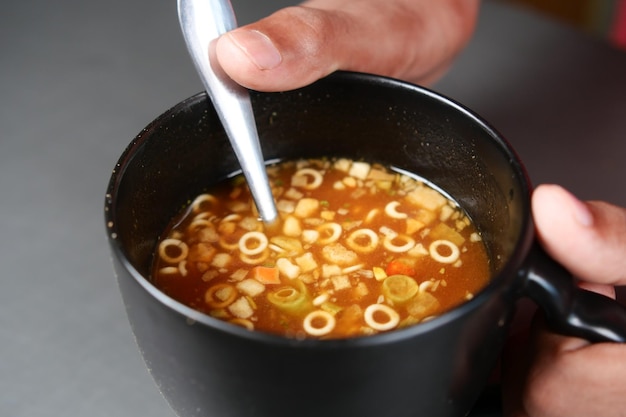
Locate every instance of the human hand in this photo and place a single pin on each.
(546, 374)
(414, 40)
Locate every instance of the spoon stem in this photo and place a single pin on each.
(202, 22)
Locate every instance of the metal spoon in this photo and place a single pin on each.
(202, 22)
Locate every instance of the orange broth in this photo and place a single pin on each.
(358, 249)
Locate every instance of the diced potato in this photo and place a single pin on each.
(446, 212)
(338, 185)
(306, 262)
(475, 237)
(300, 181)
(226, 228)
(308, 278)
(286, 206)
(241, 308)
(239, 274)
(251, 287)
(293, 194)
(427, 198)
(425, 216)
(413, 225)
(288, 269)
(306, 207)
(340, 282)
(360, 290)
(339, 254)
(359, 170)
(328, 215)
(310, 236)
(201, 252)
(209, 275)
(384, 185)
(343, 164)
(250, 223)
(443, 231)
(380, 175)
(330, 270)
(349, 182)
(291, 227)
(207, 234)
(221, 260)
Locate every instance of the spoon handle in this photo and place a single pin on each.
(203, 21)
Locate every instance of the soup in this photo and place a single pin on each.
(358, 249)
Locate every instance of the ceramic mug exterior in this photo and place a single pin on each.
(206, 367)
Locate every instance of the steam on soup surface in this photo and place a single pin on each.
(358, 250)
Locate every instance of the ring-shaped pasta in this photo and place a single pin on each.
(393, 318)
(203, 216)
(198, 224)
(255, 260)
(316, 181)
(389, 244)
(182, 267)
(424, 286)
(355, 237)
(321, 299)
(209, 296)
(228, 245)
(253, 236)
(391, 210)
(203, 199)
(169, 270)
(329, 323)
(231, 218)
(370, 216)
(335, 233)
(245, 323)
(167, 245)
(433, 249)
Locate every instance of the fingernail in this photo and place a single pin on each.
(257, 47)
(581, 211)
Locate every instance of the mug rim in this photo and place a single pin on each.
(511, 266)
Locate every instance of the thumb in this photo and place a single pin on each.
(410, 39)
(587, 238)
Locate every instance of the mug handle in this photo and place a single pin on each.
(569, 309)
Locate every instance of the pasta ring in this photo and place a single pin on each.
(259, 237)
(329, 323)
(368, 315)
(181, 247)
(390, 246)
(369, 234)
(335, 229)
(245, 323)
(391, 211)
(218, 303)
(255, 260)
(317, 177)
(454, 251)
(196, 205)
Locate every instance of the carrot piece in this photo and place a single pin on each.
(266, 274)
(397, 267)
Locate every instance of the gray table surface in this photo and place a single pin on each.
(78, 79)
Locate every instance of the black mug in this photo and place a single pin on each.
(206, 367)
